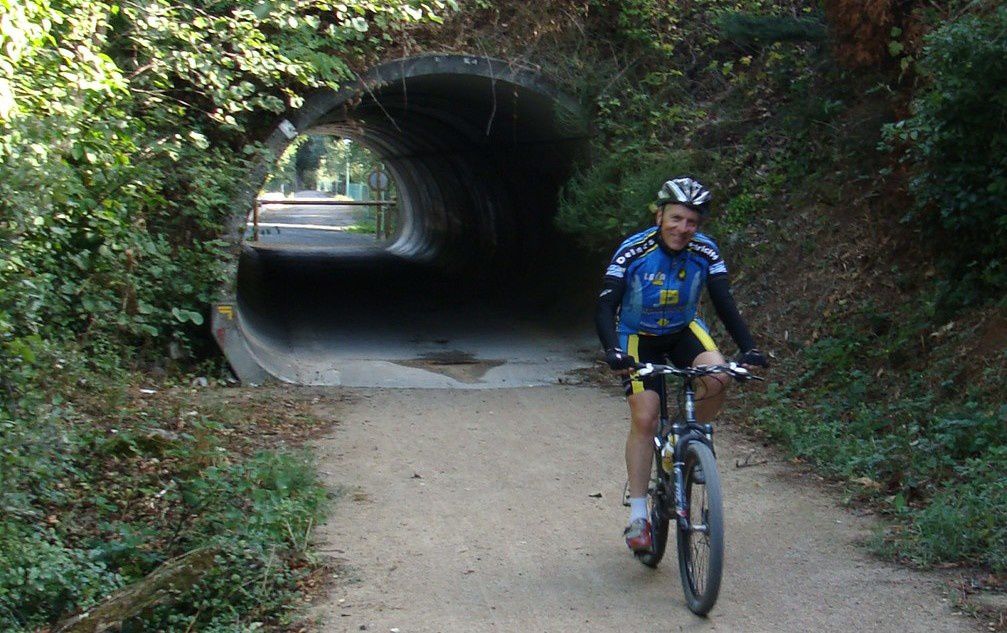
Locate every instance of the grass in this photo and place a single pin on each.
(105, 482)
(933, 459)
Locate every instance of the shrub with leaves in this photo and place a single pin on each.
(956, 143)
(127, 130)
(616, 195)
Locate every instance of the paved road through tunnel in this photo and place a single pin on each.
(324, 306)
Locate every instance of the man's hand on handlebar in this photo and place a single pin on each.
(753, 358)
(619, 361)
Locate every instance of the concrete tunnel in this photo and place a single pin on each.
(476, 287)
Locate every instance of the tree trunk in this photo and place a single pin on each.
(162, 585)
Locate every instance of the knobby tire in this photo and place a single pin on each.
(701, 554)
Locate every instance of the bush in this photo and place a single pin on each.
(259, 514)
(935, 465)
(956, 143)
(968, 518)
(41, 578)
(614, 197)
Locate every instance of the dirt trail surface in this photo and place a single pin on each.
(499, 510)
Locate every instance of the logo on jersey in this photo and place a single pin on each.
(655, 278)
(668, 297)
(703, 249)
(633, 252)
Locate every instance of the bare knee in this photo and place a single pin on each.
(645, 424)
(644, 412)
(713, 387)
(711, 390)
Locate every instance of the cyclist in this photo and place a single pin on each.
(647, 311)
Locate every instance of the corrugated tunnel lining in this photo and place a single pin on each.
(478, 149)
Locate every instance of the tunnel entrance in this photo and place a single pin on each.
(475, 287)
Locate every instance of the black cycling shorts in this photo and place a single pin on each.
(680, 348)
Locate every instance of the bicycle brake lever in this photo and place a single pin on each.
(738, 369)
(646, 370)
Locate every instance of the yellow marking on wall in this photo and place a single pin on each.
(226, 311)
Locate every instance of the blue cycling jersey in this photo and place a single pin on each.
(661, 287)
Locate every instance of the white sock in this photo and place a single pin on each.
(638, 508)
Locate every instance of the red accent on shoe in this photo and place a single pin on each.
(638, 535)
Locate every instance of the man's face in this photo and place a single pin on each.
(678, 224)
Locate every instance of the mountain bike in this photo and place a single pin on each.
(686, 489)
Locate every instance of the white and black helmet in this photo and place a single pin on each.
(685, 191)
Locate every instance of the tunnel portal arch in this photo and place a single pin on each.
(479, 149)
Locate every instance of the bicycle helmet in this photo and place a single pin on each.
(684, 191)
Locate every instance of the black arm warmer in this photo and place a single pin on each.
(720, 294)
(604, 316)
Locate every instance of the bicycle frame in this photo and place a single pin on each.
(682, 462)
(680, 435)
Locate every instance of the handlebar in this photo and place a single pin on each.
(731, 369)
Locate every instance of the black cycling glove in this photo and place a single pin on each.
(753, 357)
(618, 360)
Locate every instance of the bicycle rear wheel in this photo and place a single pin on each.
(701, 546)
(658, 506)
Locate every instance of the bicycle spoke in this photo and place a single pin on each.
(699, 538)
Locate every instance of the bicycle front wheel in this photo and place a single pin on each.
(701, 544)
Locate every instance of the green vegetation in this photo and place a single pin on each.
(956, 143)
(127, 132)
(322, 163)
(932, 458)
(100, 492)
(872, 247)
(863, 208)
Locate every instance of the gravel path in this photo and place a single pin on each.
(480, 511)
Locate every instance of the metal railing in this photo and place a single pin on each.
(382, 228)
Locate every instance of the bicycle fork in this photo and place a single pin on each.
(681, 509)
(670, 457)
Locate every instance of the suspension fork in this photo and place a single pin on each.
(683, 437)
(665, 475)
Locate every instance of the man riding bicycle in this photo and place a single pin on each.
(653, 285)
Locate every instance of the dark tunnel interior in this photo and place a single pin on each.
(479, 151)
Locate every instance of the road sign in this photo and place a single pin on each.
(288, 129)
(378, 180)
